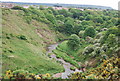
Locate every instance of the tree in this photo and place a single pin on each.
(18, 8)
(63, 12)
(81, 18)
(76, 13)
(81, 34)
(98, 20)
(60, 17)
(89, 31)
(89, 23)
(68, 28)
(89, 17)
(55, 12)
(111, 40)
(77, 28)
(69, 25)
(112, 30)
(73, 42)
(51, 18)
(41, 7)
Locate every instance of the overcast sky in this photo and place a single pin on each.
(110, 3)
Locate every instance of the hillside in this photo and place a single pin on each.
(78, 42)
(24, 45)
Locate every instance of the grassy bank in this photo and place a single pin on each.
(24, 44)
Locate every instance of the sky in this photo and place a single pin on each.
(110, 3)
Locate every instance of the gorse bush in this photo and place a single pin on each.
(24, 75)
(109, 69)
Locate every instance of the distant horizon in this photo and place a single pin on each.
(55, 3)
(105, 3)
(79, 5)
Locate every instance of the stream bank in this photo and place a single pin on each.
(66, 65)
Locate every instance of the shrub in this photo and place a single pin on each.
(72, 68)
(108, 69)
(104, 47)
(96, 41)
(74, 42)
(18, 8)
(88, 50)
(97, 50)
(8, 37)
(89, 32)
(89, 39)
(22, 37)
(81, 34)
(97, 44)
(113, 30)
(98, 35)
(51, 18)
(111, 41)
(28, 19)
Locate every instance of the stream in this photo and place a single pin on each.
(66, 65)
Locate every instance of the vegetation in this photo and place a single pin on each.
(89, 31)
(22, 74)
(107, 70)
(74, 42)
(73, 68)
(24, 44)
(89, 38)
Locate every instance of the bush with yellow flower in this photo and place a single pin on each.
(109, 69)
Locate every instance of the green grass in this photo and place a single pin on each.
(77, 54)
(65, 57)
(62, 51)
(27, 53)
(69, 55)
(73, 68)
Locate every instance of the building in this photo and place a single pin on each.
(26, 6)
(7, 5)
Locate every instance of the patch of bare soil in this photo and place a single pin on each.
(57, 75)
(46, 35)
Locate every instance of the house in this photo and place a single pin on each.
(60, 8)
(26, 6)
(7, 5)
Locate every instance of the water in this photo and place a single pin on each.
(66, 65)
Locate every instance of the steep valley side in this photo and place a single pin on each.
(24, 45)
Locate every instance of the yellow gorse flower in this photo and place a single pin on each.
(38, 77)
(47, 74)
(104, 71)
(8, 72)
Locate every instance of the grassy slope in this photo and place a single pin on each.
(26, 54)
(60, 51)
(63, 51)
